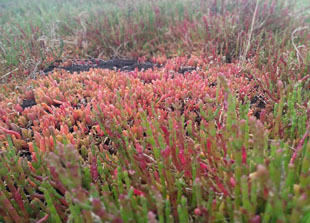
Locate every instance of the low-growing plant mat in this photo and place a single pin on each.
(210, 145)
(207, 122)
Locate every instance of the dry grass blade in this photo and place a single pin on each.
(7, 74)
(243, 58)
(299, 56)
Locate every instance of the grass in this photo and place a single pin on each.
(228, 142)
(130, 29)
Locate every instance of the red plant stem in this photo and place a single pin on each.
(304, 78)
(93, 169)
(11, 132)
(300, 144)
(39, 196)
(58, 186)
(271, 96)
(267, 91)
(39, 177)
(44, 219)
(10, 209)
(19, 200)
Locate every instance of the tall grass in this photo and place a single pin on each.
(33, 37)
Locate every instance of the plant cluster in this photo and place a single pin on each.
(153, 146)
(227, 141)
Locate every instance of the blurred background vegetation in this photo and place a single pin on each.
(35, 33)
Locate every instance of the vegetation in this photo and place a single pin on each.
(227, 142)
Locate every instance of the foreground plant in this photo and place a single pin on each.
(155, 146)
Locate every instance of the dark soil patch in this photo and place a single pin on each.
(115, 64)
(25, 154)
(259, 103)
(28, 103)
(259, 100)
(184, 70)
(213, 84)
